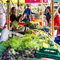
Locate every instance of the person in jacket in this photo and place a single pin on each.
(57, 22)
(13, 16)
(28, 11)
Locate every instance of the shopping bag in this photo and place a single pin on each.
(4, 35)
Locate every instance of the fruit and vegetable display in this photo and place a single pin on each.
(32, 25)
(28, 31)
(28, 24)
(28, 45)
(16, 26)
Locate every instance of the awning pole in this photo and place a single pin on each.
(8, 17)
(52, 1)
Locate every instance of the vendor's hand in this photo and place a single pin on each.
(12, 26)
(19, 21)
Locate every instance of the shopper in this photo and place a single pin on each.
(48, 16)
(57, 27)
(13, 16)
(28, 11)
(57, 22)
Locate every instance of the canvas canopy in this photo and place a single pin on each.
(27, 1)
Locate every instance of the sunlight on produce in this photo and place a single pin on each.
(29, 29)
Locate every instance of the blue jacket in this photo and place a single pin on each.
(28, 12)
(48, 16)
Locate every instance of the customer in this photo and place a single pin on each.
(28, 11)
(48, 16)
(57, 22)
(57, 27)
(13, 16)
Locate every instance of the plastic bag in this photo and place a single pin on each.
(4, 34)
(55, 33)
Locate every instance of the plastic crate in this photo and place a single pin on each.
(2, 49)
(29, 59)
(48, 53)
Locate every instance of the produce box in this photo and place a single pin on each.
(34, 59)
(29, 59)
(48, 53)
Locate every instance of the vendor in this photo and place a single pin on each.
(13, 16)
(28, 11)
(57, 22)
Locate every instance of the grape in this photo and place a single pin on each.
(23, 55)
(9, 58)
(0, 57)
(4, 57)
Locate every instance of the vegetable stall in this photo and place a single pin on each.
(31, 41)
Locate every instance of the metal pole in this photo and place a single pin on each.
(52, 1)
(8, 16)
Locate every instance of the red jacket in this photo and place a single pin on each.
(57, 22)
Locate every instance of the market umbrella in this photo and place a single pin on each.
(22, 1)
(32, 1)
(45, 1)
(27, 1)
(36, 1)
(14, 1)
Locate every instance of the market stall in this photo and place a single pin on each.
(31, 39)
